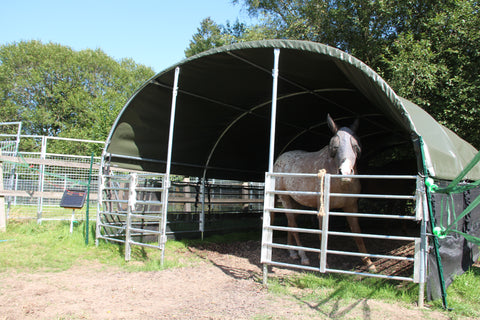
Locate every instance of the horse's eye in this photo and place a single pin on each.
(334, 145)
(356, 147)
(358, 150)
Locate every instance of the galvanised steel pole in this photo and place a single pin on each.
(166, 182)
(273, 119)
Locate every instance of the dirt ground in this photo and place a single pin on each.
(221, 286)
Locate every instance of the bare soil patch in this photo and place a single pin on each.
(224, 285)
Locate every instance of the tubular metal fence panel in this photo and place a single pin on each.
(142, 208)
(194, 207)
(274, 253)
(131, 210)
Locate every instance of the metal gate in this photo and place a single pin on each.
(270, 243)
(132, 210)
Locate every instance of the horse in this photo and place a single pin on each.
(338, 157)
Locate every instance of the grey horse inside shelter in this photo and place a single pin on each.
(339, 157)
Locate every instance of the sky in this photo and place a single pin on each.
(154, 33)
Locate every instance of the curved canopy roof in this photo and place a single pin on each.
(222, 118)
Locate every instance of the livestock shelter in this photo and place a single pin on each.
(228, 112)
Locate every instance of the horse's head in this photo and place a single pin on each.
(344, 147)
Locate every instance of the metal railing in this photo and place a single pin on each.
(270, 242)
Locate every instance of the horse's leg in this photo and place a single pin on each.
(355, 228)
(292, 223)
(289, 203)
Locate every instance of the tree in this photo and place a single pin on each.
(57, 91)
(427, 50)
(211, 35)
(360, 27)
(438, 67)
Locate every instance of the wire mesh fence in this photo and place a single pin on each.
(36, 174)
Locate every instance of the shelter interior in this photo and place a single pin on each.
(222, 119)
(223, 114)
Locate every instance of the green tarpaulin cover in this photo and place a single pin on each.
(222, 120)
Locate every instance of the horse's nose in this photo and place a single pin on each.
(346, 168)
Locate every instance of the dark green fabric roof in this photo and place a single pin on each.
(222, 120)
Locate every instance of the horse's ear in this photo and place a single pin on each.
(332, 124)
(354, 126)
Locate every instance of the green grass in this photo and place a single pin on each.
(463, 296)
(28, 246)
(50, 211)
(345, 287)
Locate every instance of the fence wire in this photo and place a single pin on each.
(36, 179)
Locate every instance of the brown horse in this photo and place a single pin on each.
(339, 157)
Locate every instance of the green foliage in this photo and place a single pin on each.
(57, 91)
(428, 51)
(361, 27)
(209, 35)
(212, 35)
(438, 67)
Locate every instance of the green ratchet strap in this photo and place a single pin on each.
(442, 232)
(468, 237)
(453, 187)
(464, 172)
